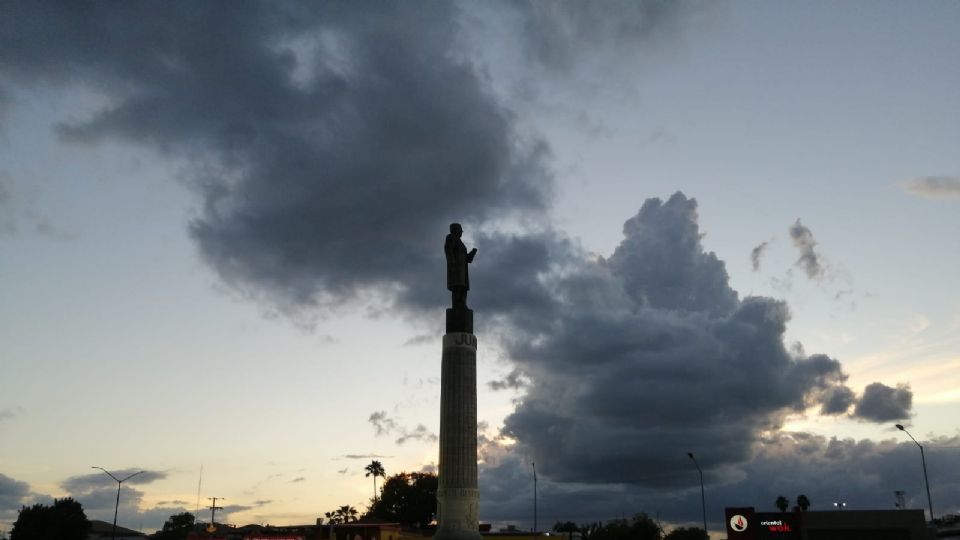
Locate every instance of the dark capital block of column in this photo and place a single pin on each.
(459, 320)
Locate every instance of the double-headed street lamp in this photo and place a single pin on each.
(703, 499)
(113, 533)
(924, 461)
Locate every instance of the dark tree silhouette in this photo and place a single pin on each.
(407, 498)
(64, 520)
(346, 513)
(640, 527)
(568, 527)
(782, 503)
(177, 527)
(803, 502)
(375, 469)
(587, 529)
(693, 533)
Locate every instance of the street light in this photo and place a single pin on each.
(113, 533)
(703, 500)
(534, 465)
(924, 461)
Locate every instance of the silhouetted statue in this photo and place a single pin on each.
(458, 275)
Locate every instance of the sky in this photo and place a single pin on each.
(724, 228)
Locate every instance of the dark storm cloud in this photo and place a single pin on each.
(561, 36)
(837, 400)
(651, 350)
(419, 433)
(12, 493)
(935, 187)
(365, 456)
(863, 473)
(756, 254)
(382, 424)
(19, 212)
(882, 403)
(513, 381)
(95, 480)
(810, 261)
(10, 413)
(331, 145)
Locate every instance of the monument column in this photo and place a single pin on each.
(457, 495)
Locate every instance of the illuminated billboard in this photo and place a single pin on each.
(746, 524)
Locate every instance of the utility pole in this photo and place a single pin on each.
(213, 512)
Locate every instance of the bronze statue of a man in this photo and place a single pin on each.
(458, 276)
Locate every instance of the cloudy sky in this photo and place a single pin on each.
(722, 228)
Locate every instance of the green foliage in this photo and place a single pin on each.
(177, 527)
(782, 503)
(683, 533)
(640, 527)
(64, 520)
(803, 502)
(407, 498)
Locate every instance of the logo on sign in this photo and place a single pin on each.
(738, 523)
(777, 526)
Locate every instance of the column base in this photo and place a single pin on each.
(457, 511)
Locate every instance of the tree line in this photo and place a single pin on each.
(406, 498)
(639, 527)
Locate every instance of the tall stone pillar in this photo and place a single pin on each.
(457, 495)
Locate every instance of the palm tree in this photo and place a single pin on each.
(346, 514)
(803, 502)
(375, 469)
(782, 503)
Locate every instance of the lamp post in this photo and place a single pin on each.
(113, 532)
(534, 465)
(703, 499)
(924, 461)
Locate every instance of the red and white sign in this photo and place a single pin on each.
(738, 523)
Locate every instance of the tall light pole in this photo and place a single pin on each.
(703, 499)
(113, 532)
(534, 465)
(924, 461)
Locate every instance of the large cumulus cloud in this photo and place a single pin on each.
(649, 354)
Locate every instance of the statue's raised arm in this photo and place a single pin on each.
(458, 259)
